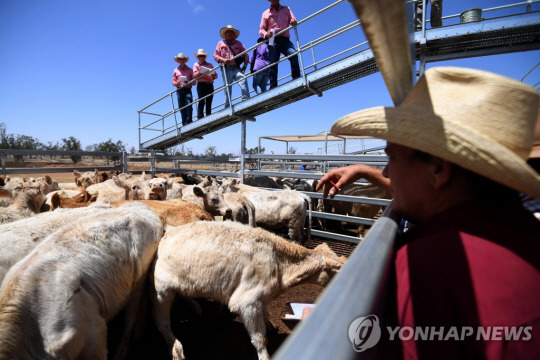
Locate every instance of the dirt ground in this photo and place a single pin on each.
(215, 333)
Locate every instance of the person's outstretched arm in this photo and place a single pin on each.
(349, 174)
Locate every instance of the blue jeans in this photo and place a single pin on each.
(282, 45)
(260, 80)
(233, 74)
(185, 97)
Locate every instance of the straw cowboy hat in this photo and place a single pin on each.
(535, 151)
(181, 56)
(200, 52)
(227, 28)
(478, 120)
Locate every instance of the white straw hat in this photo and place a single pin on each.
(200, 52)
(227, 28)
(181, 56)
(478, 120)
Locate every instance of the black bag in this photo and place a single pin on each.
(239, 60)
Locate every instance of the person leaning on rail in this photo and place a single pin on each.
(273, 20)
(457, 148)
(181, 76)
(226, 49)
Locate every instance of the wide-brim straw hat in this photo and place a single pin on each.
(200, 52)
(181, 56)
(535, 151)
(478, 120)
(227, 28)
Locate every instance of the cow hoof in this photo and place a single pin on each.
(178, 351)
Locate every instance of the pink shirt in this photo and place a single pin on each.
(223, 52)
(177, 80)
(197, 72)
(276, 19)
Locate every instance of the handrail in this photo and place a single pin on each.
(309, 46)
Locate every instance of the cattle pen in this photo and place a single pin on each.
(362, 285)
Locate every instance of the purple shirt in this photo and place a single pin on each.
(276, 19)
(260, 58)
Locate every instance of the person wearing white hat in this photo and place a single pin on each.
(182, 75)
(458, 148)
(226, 49)
(205, 83)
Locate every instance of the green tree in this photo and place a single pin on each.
(72, 144)
(255, 150)
(110, 146)
(210, 151)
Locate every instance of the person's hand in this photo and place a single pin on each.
(294, 22)
(336, 179)
(244, 68)
(268, 35)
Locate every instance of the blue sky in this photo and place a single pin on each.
(83, 68)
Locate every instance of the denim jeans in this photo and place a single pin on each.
(185, 97)
(282, 45)
(260, 80)
(203, 89)
(233, 74)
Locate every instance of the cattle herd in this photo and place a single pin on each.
(73, 255)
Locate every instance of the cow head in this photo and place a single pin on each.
(158, 189)
(332, 264)
(212, 201)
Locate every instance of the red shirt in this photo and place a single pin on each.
(475, 265)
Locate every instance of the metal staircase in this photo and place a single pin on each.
(511, 33)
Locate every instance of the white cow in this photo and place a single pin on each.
(237, 265)
(18, 238)
(55, 303)
(26, 203)
(276, 209)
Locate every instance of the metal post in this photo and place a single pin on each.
(313, 55)
(344, 146)
(2, 157)
(258, 152)
(300, 55)
(174, 113)
(152, 163)
(140, 143)
(124, 162)
(226, 84)
(243, 150)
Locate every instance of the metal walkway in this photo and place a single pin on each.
(512, 33)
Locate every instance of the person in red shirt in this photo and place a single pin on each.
(205, 84)
(468, 270)
(274, 20)
(182, 75)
